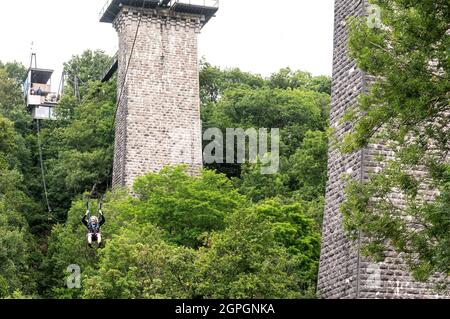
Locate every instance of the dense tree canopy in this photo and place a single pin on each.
(300, 110)
(228, 249)
(90, 66)
(16, 273)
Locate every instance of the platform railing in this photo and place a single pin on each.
(105, 7)
(204, 3)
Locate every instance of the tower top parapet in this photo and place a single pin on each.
(206, 8)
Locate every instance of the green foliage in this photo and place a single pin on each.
(258, 186)
(245, 261)
(187, 207)
(13, 251)
(294, 112)
(21, 194)
(295, 102)
(299, 234)
(22, 156)
(418, 229)
(308, 166)
(298, 104)
(288, 79)
(78, 148)
(405, 108)
(87, 67)
(14, 246)
(12, 104)
(67, 245)
(409, 60)
(214, 82)
(266, 251)
(138, 263)
(16, 71)
(6, 136)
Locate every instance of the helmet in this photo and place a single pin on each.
(94, 220)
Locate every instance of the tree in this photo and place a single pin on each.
(258, 186)
(67, 245)
(406, 107)
(7, 136)
(214, 82)
(298, 104)
(15, 273)
(288, 79)
(15, 70)
(245, 261)
(297, 231)
(295, 102)
(187, 208)
(12, 104)
(303, 147)
(308, 166)
(23, 157)
(90, 66)
(294, 112)
(14, 253)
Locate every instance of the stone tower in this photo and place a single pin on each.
(343, 272)
(158, 117)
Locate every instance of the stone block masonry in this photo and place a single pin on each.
(158, 117)
(343, 272)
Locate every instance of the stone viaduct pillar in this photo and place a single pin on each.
(158, 117)
(343, 272)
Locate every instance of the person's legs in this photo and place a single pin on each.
(99, 239)
(89, 238)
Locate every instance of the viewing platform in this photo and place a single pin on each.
(38, 94)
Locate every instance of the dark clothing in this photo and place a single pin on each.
(94, 229)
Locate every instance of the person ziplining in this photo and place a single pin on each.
(93, 223)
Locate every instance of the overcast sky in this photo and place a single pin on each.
(260, 36)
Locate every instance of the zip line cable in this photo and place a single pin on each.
(128, 63)
(41, 161)
(51, 215)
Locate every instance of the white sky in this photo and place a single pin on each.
(259, 36)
